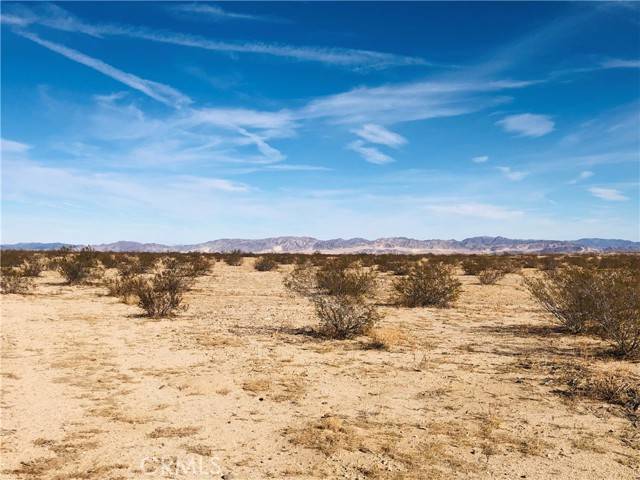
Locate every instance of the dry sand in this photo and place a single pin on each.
(231, 389)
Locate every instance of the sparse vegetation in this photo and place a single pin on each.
(336, 277)
(163, 294)
(80, 267)
(344, 316)
(265, 264)
(340, 294)
(490, 276)
(13, 280)
(33, 266)
(428, 285)
(339, 278)
(587, 299)
(246, 344)
(233, 258)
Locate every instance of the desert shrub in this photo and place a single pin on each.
(490, 276)
(128, 266)
(265, 264)
(631, 261)
(123, 286)
(302, 280)
(13, 281)
(188, 265)
(614, 387)
(233, 258)
(344, 316)
(606, 302)
(147, 261)
(473, 265)
(427, 286)
(79, 267)
(569, 294)
(618, 313)
(339, 278)
(163, 294)
(507, 264)
(548, 263)
(335, 277)
(107, 259)
(13, 258)
(33, 266)
(199, 264)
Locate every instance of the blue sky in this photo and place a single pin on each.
(185, 122)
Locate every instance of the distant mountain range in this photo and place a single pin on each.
(361, 245)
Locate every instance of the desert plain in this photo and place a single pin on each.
(238, 386)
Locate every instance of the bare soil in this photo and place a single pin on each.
(236, 387)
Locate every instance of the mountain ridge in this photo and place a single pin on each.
(294, 244)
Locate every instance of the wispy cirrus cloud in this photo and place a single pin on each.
(527, 124)
(158, 91)
(53, 16)
(608, 194)
(476, 210)
(11, 146)
(620, 63)
(207, 11)
(511, 174)
(380, 135)
(370, 154)
(582, 176)
(412, 101)
(480, 159)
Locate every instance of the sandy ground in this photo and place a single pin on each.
(231, 389)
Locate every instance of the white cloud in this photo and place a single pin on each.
(206, 183)
(9, 146)
(216, 13)
(527, 124)
(480, 159)
(512, 174)
(620, 63)
(58, 18)
(408, 101)
(477, 210)
(582, 176)
(370, 154)
(609, 194)
(380, 135)
(157, 91)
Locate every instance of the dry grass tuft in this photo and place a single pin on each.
(616, 388)
(199, 449)
(173, 432)
(385, 338)
(328, 435)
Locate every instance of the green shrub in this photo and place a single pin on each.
(428, 286)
